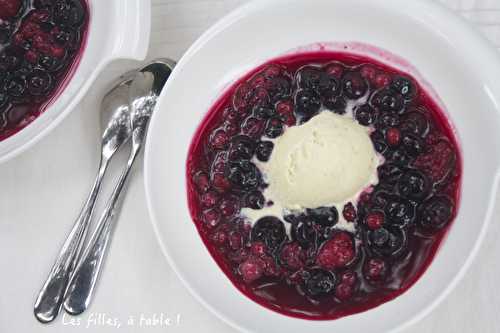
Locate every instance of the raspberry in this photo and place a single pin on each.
(31, 56)
(382, 80)
(235, 240)
(229, 206)
(393, 136)
(285, 111)
(57, 52)
(253, 127)
(201, 181)
(375, 220)
(368, 72)
(239, 256)
(337, 252)
(349, 212)
(375, 270)
(439, 162)
(251, 269)
(271, 269)
(219, 237)
(211, 218)
(335, 70)
(349, 278)
(343, 291)
(40, 16)
(220, 183)
(219, 139)
(258, 248)
(9, 8)
(272, 71)
(209, 199)
(293, 256)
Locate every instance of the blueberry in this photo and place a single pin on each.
(388, 242)
(415, 123)
(42, 4)
(387, 100)
(17, 113)
(25, 70)
(279, 88)
(9, 61)
(320, 283)
(380, 198)
(51, 64)
(436, 212)
(324, 216)
(269, 230)
(6, 30)
(400, 212)
(322, 85)
(389, 174)
(387, 120)
(365, 115)
(307, 103)
(15, 86)
(244, 175)
(274, 128)
(309, 78)
(46, 26)
(337, 104)
(263, 112)
(379, 236)
(379, 142)
(414, 185)
(354, 85)
(4, 99)
(264, 150)
(70, 13)
(330, 90)
(255, 200)
(39, 83)
(404, 87)
(329, 86)
(293, 219)
(63, 37)
(303, 231)
(75, 42)
(398, 157)
(242, 147)
(412, 145)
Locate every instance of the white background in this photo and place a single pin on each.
(41, 193)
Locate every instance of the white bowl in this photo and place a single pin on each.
(118, 29)
(462, 68)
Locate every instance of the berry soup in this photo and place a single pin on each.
(323, 260)
(40, 45)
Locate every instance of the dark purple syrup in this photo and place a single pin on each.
(41, 42)
(400, 223)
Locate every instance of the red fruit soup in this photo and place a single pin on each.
(306, 263)
(40, 45)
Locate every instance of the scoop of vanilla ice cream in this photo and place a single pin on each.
(325, 161)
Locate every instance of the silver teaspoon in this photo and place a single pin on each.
(116, 117)
(144, 91)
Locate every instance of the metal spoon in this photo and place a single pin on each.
(144, 92)
(116, 117)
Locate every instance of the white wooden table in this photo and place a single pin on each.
(42, 190)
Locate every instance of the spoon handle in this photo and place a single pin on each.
(51, 296)
(82, 284)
